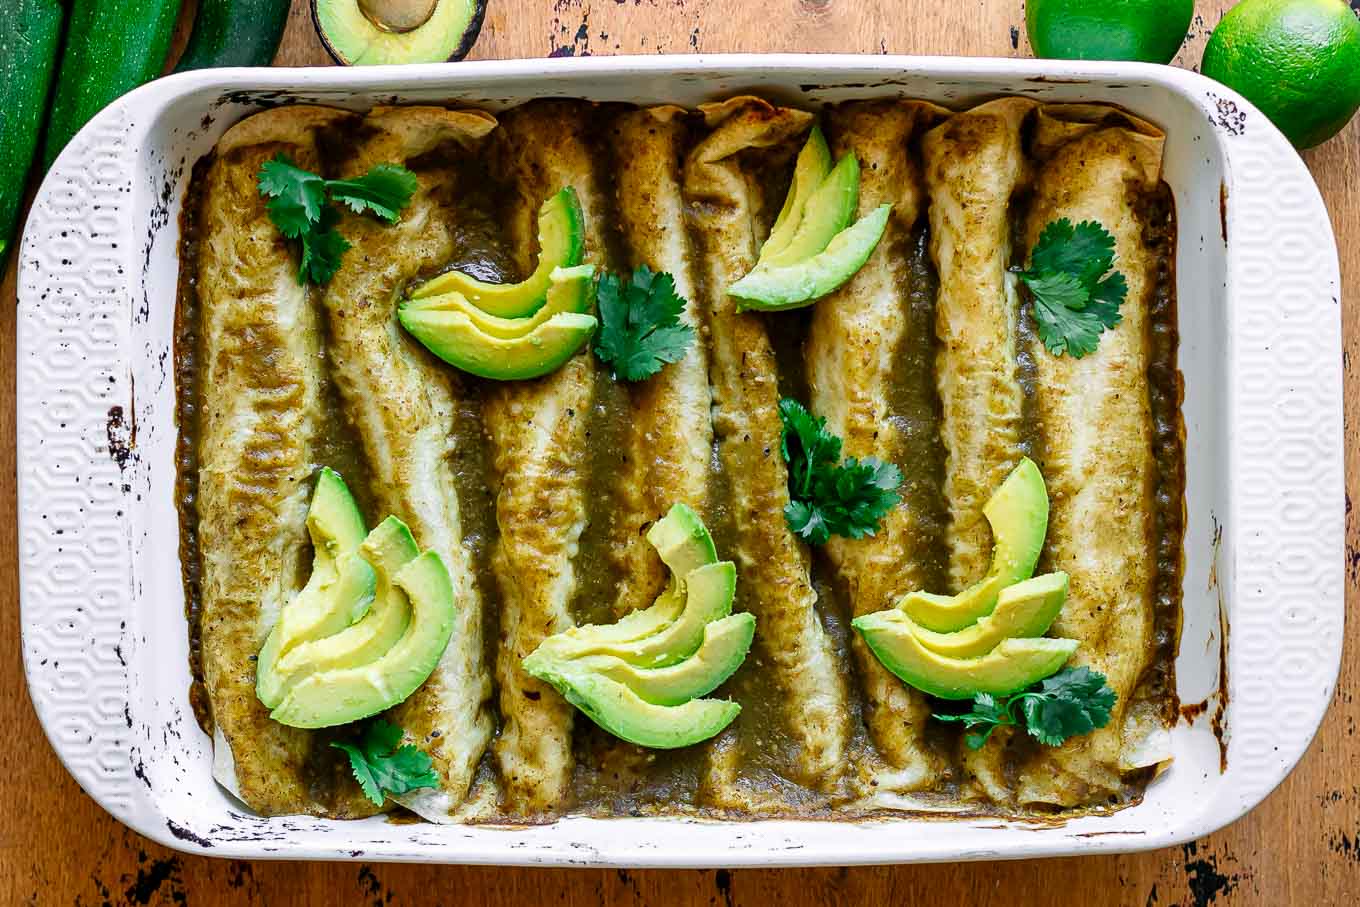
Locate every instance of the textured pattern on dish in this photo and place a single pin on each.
(74, 433)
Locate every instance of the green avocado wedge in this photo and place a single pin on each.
(455, 338)
(342, 695)
(725, 646)
(561, 244)
(1026, 609)
(796, 285)
(709, 591)
(1018, 514)
(684, 545)
(625, 714)
(1013, 665)
(828, 211)
(339, 591)
(387, 549)
(813, 165)
(569, 290)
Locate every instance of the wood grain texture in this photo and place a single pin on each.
(1302, 846)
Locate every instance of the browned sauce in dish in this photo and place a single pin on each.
(608, 777)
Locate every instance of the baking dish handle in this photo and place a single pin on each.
(78, 292)
(1280, 570)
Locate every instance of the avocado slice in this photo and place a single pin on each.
(684, 545)
(1026, 609)
(387, 549)
(829, 210)
(341, 695)
(1018, 515)
(709, 591)
(356, 36)
(1013, 665)
(796, 285)
(453, 337)
(726, 643)
(561, 244)
(339, 591)
(627, 715)
(569, 290)
(814, 163)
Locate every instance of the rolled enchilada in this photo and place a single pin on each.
(974, 167)
(1095, 442)
(402, 403)
(262, 384)
(538, 432)
(773, 565)
(854, 361)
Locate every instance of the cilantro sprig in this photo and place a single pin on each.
(640, 329)
(1073, 701)
(826, 496)
(1075, 298)
(299, 206)
(383, 767)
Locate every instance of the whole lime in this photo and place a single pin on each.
(1297, 60)
(1147, 30)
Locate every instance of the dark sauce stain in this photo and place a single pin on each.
(188, 353)
(1223, 211)
(1166, 392)
(1015, 38)
(1218, 721)
(1203, 877)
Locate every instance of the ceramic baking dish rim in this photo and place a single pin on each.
(1258, 284)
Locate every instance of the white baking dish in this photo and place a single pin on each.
(104, 636)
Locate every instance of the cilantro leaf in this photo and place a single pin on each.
(1074, 300)
(383, 767)
(640, 329)
(1072, 702)
(384, 190)
(828, 498)
(988, 712)
(322, 247)
(295, 195)
(299, 209)
(806, 444)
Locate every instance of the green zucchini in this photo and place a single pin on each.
(29, 34)
(235, 33)
(112, 46)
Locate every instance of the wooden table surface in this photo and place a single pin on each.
(1302, 846)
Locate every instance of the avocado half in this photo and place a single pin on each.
(354, 33)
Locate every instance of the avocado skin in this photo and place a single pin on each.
(1013, 665)
(1018, 515)
(469, 37)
